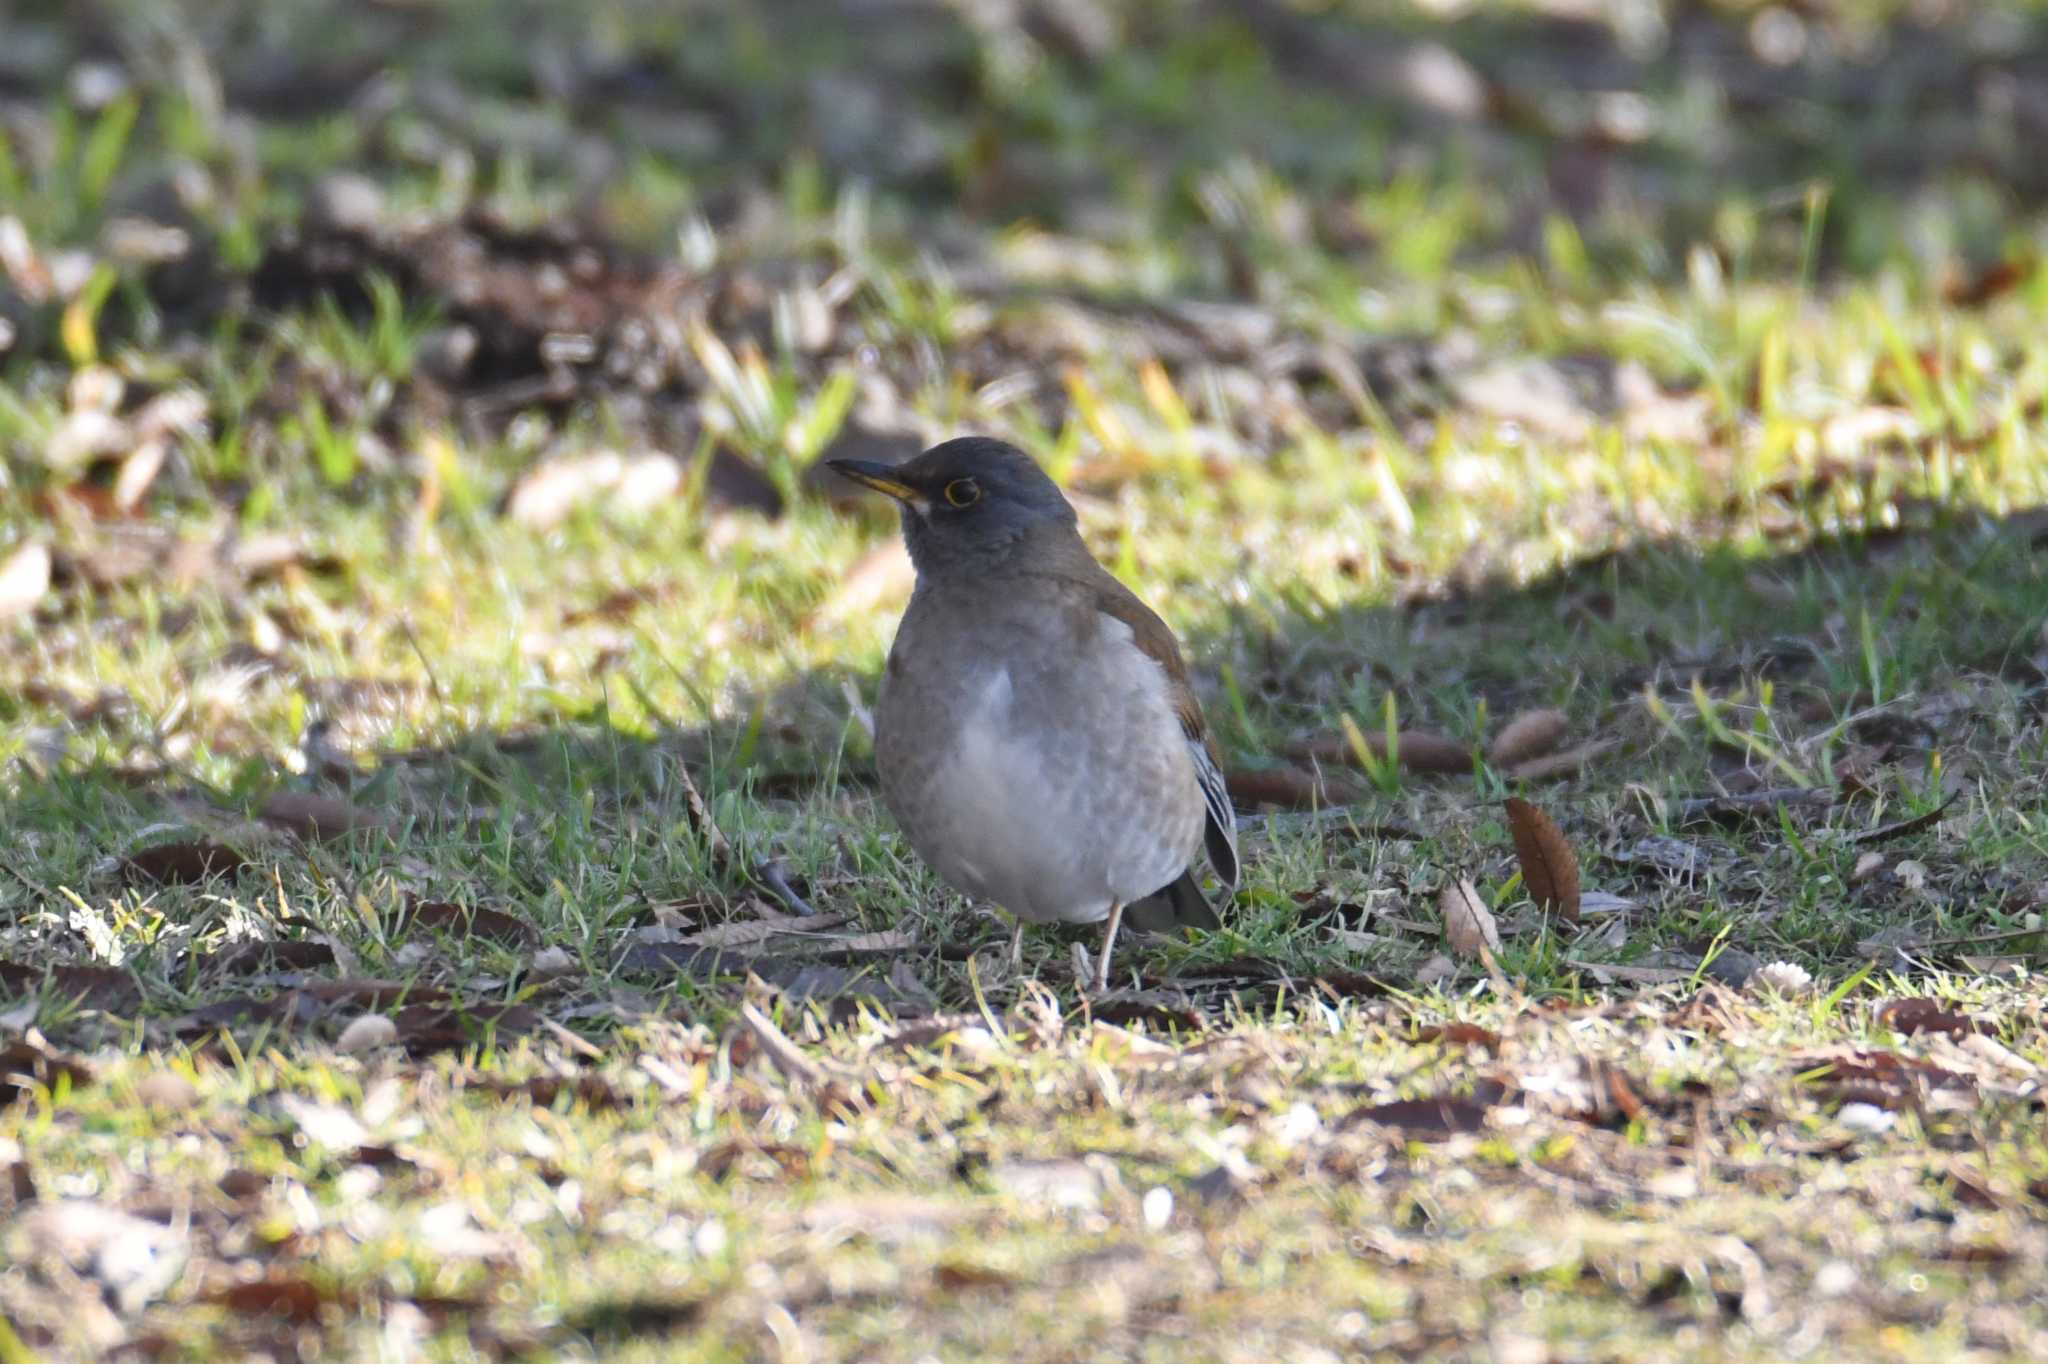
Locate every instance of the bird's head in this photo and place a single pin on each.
(967, 502)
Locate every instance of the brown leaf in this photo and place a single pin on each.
(1415, 750)
(1288, 788)
(1748, 805)
(370, 993)
(1854, 770)
(1459, 1035)
(1901, 828)
(94, 987)
(594, 1092)
(314, 816)
(437, 916)
(24, 578)
(293, 954)
(28, 1063)
(1910, 1016)
(1434, 1118)
(1974, 291)
(183, 862)
(961, 1278)
(620, 605)
(1563, 763)
(426, 1028)
(1550, 869)
(1531, 734)
(279, 1295)
(1468, 924)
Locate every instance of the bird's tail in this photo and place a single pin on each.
(1180, 905)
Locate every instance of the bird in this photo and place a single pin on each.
(1036, 736)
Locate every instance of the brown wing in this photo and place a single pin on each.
(1113, 599)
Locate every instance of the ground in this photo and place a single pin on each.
(1593, 459)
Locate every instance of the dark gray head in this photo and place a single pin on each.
(968, 504)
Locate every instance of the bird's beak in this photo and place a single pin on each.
(880, 477)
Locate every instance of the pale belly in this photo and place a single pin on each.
(1103, 808)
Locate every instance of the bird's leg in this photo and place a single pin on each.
(1017, 949)
(1116, 916)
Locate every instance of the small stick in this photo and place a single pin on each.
(788, 1057)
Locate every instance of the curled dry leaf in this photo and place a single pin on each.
(28, 1063)
(1287, 788)
(1434, 1118)
(1414, 750)
(91, 987)
(1550, 869)
(183, 862)
(491, 925)
(1458, 1035)
(1900, 828)
(1468, 924)
(1911, 1016)
(1531, 734)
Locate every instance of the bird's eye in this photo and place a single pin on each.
(962, 492)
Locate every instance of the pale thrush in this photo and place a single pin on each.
(1037, 739)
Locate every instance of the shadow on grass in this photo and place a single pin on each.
(566, 872)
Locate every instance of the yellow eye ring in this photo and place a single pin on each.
(962, 492)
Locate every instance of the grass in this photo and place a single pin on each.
(1735, 462)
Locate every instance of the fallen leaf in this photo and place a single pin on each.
(183, 862)
(1672, 856)
(1633, 975)
(279, 1294)
(371, 993)
(960, 1278)
(619, 605)
(1287, 788)
(94, 987)
(1749, 805)
(293, 954)
(594, 1092)
(1911, 1016)
(437, 916)
(1459, 1035)
(28, 1063)
(1431, 1119)
(1974, 291)
(1437, 969)
(1468, 924)
(1415, 750)
(1563, 763)
(1605, 902)
(427, 1028)
(1903, 827)
(1550, 869)
(24, 579)
(1867, 865)
(1529, 735)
